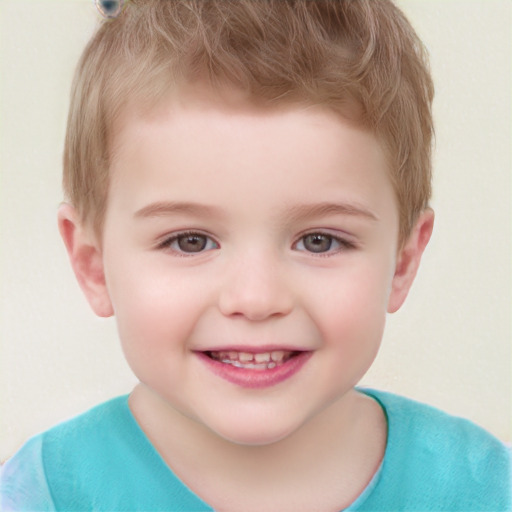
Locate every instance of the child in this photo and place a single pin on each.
(248, 187)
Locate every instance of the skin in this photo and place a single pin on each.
(252, 184)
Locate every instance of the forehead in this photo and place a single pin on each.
(230, 147)
(188, 101)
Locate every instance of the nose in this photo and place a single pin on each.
(256, 289)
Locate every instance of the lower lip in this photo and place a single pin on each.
(251, 378)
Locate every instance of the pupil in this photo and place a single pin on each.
(317, 243)
(192, 243)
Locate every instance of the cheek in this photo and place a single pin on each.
(352, 309)
(155, 310)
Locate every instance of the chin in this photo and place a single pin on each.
(254, 433)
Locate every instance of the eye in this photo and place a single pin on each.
(189, 243)
(321, 243)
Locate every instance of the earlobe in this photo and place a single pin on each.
(86, 260)
(408, 260)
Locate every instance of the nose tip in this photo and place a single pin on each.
(253, 311)
(256, 294)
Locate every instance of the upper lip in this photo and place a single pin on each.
(252, 349)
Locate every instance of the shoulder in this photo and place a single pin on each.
(100, 460)
(436, 431)
(23, 484)
(98, 426)
(432, 425)
(30, 480)
(446, 461)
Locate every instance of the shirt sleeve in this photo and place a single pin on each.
(23, 485)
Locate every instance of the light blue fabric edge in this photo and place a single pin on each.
(368, 490)
(33, 494)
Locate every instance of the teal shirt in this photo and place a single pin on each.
(103, 461)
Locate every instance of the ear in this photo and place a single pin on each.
(408, 260)
(85, 255)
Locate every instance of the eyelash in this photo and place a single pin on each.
(343, 244)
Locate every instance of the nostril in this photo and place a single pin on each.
(253, 306)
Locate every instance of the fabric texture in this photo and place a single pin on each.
(103, 461)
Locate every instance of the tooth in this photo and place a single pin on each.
(277, 355)
(262, 358)
(233, 355)
(245, 357)
(252, 366)
(271, 365)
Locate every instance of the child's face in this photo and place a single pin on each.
(237, 233)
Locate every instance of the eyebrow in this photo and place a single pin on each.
(165, 208)
(302, 211)
(295, 213)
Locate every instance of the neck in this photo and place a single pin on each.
(340, 440)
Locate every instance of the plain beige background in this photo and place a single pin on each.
(449, 346)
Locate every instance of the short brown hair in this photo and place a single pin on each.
(336, 53)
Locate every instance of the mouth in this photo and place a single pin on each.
(253, 361)
(255, 369)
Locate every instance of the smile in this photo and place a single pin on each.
(255, 369)
(253, 361)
